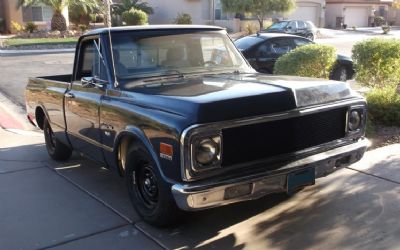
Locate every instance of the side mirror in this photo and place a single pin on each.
(87, 82)
(91, 82)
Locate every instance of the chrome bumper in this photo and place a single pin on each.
(202, 196)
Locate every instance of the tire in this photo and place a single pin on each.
(150, 195)
(56, 149)
(340, 74)
(310, 37)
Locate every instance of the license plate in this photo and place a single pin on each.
(299, 179)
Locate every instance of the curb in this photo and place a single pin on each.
(34, 52)
(13, 116)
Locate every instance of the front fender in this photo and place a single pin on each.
(139, 136)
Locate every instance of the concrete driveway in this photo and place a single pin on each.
(80, 205)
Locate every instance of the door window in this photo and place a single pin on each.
(281, 46)
(301, 25)
(300, 42)
(91, 63)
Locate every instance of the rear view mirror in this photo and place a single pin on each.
(91, 82)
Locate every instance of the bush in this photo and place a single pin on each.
(314, 60)
(183, 18)
(30, 27)
(251, 28)
(134, 17)
(384, 106)
(16, 27)
(96, 18)
(83, 27)
(379, 21)
(377, 62)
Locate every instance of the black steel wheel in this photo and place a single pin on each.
(56, 149)
(340, 74)
(310, 37)
(150, 195)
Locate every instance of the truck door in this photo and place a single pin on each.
(82, 100)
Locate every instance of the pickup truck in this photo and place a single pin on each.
(188, 124)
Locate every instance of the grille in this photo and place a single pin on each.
(263, 140)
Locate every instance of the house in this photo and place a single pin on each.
(309, 10)
(39, 14)
(355, 13)
(211, 12)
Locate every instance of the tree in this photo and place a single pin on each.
(259, 8)
(58, 21)
(127, 5)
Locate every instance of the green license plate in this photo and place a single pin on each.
(299, 179)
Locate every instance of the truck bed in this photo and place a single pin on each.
(58, 78)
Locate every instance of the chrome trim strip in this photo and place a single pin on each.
(209, 193)
(186, 134)
(91, 141)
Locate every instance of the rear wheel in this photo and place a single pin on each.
(56, 149)
(310, 37)
(150, 195)
(340, 74)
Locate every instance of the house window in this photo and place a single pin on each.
(37, 14)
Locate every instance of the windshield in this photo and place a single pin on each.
(278, 25)
(139, 54)
(247, 42)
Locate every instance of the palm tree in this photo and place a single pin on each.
(58, 21)
(126, 5)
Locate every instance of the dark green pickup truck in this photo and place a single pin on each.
(189, 125)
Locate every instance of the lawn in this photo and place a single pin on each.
(39, 41)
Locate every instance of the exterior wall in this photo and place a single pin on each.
(319, 5)
(337, 8)
(166, 11)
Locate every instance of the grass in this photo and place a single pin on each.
(39, 41)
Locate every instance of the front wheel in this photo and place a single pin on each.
(56, 149)
(150, 195)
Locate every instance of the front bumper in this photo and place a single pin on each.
(202, 196)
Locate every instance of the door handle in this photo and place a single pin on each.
(69, 95)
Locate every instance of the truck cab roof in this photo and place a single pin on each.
(153, 27)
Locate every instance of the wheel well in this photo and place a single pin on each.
(123, 146)
(39, 114)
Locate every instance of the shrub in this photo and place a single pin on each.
(377, 62)
(183, 18)
(30, 27)
(384, 106)
(251, 28)
(83, 27)
(134, 17)
(314, 60)
(379, 21)
(16, 27)
(96, 18)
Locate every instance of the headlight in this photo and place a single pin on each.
(355, 120)
(207, 153)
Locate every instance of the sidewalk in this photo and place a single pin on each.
(43, 207)
(80, 205)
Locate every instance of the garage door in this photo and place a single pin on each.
(356, 16)
(306, 13)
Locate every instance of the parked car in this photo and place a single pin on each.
(263, 49)
(189, 128)
(294, 27)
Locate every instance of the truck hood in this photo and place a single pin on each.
(229, 96)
